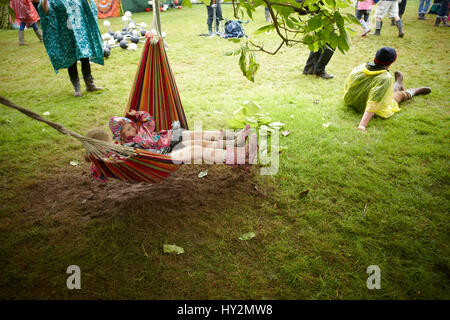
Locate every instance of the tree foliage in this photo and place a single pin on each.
(5, 12)
(314, 23)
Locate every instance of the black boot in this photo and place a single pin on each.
(437, 22)
(76, 87)
(325, 56)
(90, 85)
(308, 70)
(422, 16)
(392, 22)
(88, 79)
(39, 34)
(400, 28)
(378, 26)
(210, 29)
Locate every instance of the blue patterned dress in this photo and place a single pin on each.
(71, 32)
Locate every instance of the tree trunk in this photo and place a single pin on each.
(4, 17)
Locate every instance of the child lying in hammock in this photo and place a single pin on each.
(143, 136)
(180, 144)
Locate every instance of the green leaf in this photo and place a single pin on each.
(264, 29)
(247, 236)
(169, 248)
(352, 18)
(314, 23)
(343, 43)
(308, 39)
(228, 53)
(330, 3)
(339, 19)
(283, 10)
(243, 63)
(235, 40)
(334, 40)
(235, 124)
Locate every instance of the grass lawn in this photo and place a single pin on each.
(380, 198)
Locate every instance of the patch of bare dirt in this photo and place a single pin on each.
(74, 194)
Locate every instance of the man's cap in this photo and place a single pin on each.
(385, 56)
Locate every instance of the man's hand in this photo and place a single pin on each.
(362, 128)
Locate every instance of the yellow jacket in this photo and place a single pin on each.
(371, 91)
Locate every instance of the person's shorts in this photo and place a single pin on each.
(389, 7)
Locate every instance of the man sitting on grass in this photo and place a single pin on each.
(371, 90)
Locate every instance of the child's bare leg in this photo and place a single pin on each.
(205, 143)
(202, 135)
(195, 154)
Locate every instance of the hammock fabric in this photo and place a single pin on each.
(143, 167)
(154, 89)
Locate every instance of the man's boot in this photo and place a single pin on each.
(76, 87)
(444, 21)
(437, 22)
(398, 85)
(378, 26)
(39, 34)
(422, 16)
(90, 86)
(308, 70)
(392, 22)
(22, 38)
(325, 56)
(210, 29)
(418, 91)
(400, 28)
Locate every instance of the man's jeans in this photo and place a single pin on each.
(424, 9)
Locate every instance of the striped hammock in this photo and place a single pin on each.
(154, 90)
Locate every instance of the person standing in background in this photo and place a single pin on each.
(424, 5)
(362, 13)
(317, 61)
(214, 4)
(26, 13)
(442, 14)
(70, 34)
(389, 7)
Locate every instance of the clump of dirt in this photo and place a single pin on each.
(74, 193)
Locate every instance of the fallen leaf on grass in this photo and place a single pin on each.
(46, 113)
(316, 101)
(171, 248)
(286, 133)
(74, 163)
(203, 174)
(303, 194)
(326, 125)
(247, 236)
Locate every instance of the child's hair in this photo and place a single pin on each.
(98, 134)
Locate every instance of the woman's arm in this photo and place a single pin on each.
(45, 6)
